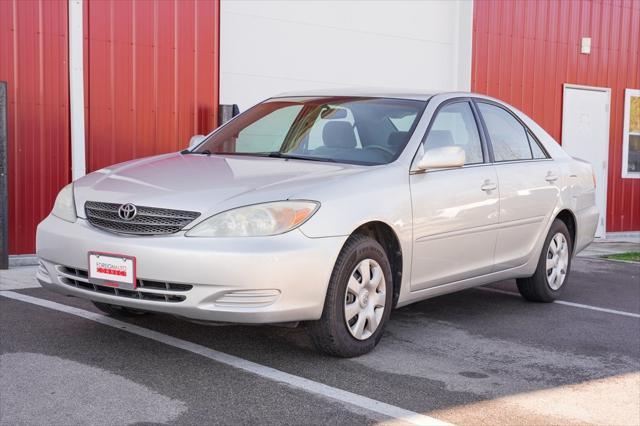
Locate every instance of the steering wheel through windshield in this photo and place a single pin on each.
(381, 148)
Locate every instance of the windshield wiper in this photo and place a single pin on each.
(274, 154)
(277, 154)
(186, 151)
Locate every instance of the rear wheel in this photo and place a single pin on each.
(553, 267)
(358, 301)
(119, 311)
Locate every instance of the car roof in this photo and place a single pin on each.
(375, 93)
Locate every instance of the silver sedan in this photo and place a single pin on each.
(327, 210)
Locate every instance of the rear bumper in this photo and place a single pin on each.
(242, 280)
(586, 224)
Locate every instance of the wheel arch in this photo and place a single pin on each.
(388, 239)
(569, 219)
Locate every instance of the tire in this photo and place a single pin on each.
(332, 333)
(119, 311)
(546, 284)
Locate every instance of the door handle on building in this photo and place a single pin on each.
(488, 186)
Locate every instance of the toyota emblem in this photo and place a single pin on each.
(127, 211)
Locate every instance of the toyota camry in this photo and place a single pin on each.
(326, 210)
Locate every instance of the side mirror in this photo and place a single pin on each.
(445, 157)
(195, 140)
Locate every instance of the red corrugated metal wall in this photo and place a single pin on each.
(151, 76)
(523, 52)
(33, 61)
(151, 82)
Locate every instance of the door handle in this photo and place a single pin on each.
(551, 177)
(488, 186)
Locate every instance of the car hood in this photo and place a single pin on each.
(206, 184)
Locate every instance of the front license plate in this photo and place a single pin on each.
(113, 270)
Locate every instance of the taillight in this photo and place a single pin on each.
(593, 173)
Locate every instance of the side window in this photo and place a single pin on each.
(268, 133)
(455, 125)
(536, 149)
(508, 137)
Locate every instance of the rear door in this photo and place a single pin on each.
(528, 180)
(455, 211)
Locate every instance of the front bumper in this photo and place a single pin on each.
(274, 279)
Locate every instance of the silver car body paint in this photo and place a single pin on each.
(285, 277)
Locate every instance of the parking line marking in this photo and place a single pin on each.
(564, 302)
(308, 385)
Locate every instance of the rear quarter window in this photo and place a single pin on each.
(536, 148)
(508, 137)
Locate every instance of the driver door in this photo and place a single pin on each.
(455, 211)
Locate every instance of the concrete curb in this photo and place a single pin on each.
(23, 260)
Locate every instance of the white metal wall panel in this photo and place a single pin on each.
(273, 46)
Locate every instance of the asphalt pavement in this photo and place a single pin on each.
(476, 357)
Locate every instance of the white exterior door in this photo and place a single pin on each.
(585, 135)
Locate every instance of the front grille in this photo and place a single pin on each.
(79, 278)
(148, 221)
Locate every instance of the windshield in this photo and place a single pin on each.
(367, 131)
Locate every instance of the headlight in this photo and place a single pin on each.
(65, 206)
(256, 220)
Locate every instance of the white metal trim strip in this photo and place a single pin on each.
(76, 88)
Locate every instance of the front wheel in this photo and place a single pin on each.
(553, 267)
(358, 301)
